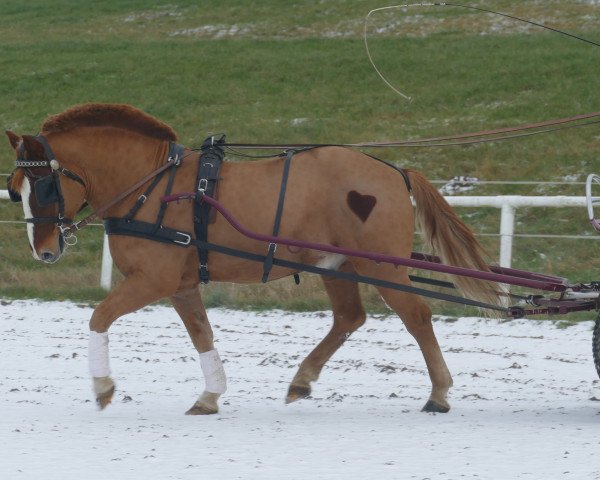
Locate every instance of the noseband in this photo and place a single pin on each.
(46, 185)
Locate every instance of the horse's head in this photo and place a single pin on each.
(51, 195)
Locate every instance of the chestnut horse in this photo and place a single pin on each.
(336, 196)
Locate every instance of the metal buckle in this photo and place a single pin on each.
(187, 241)
(202, 185)
(203, 273)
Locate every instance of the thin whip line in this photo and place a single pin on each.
(530, 22)
(446, 4)
(365, 37)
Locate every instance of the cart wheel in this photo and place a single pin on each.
(596, 344)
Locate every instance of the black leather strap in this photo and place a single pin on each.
(147, 231)
(211, 159)
(272, 246)
(135, 228)
(176, 152)
(144, 196)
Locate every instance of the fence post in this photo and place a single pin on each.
(107, 262)
(507, 229)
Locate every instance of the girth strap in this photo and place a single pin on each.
(208, 174)
(273, 246)
(146, 230)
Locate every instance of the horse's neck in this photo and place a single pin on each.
(111, 163)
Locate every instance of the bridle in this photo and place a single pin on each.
(46, 187)
(48, 191)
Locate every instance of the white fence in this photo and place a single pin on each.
(508, 204)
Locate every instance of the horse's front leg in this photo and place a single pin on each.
(133, 293)
(190, 308)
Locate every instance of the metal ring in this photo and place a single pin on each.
(591, 200)
(70, 239)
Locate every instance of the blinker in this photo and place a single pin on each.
(46, 191)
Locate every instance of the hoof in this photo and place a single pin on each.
(104, 388)
(205, 405)
(103, 399)
(202, 409)
(435, 407)
(297, 392)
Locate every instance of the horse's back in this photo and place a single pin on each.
(334, 195)
(321, 173)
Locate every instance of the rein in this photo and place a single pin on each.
(483, 136)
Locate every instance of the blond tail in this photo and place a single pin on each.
(449, 238)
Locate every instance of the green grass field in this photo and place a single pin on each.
(280, 72)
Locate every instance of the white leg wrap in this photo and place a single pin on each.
(98, 354)
(214, 373)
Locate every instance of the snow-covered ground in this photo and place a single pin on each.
(525, 401)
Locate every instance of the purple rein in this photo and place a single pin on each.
(418, 260)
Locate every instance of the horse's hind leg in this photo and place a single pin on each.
(416, 316)
(190, 308)
(348, 315)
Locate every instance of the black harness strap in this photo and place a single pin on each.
(211, 159)
(175, 154)
(146, 230)
(398, 169)
(350, 276)
(273, 246)
(117, 226)
(144, 196)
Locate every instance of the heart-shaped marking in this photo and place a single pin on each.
(361, 205)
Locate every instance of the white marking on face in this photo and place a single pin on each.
(332, 261)
(25, 194)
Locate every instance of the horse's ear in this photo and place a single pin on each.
(13, 138)
(34, 148)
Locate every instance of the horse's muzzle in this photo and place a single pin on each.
(50, 255)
